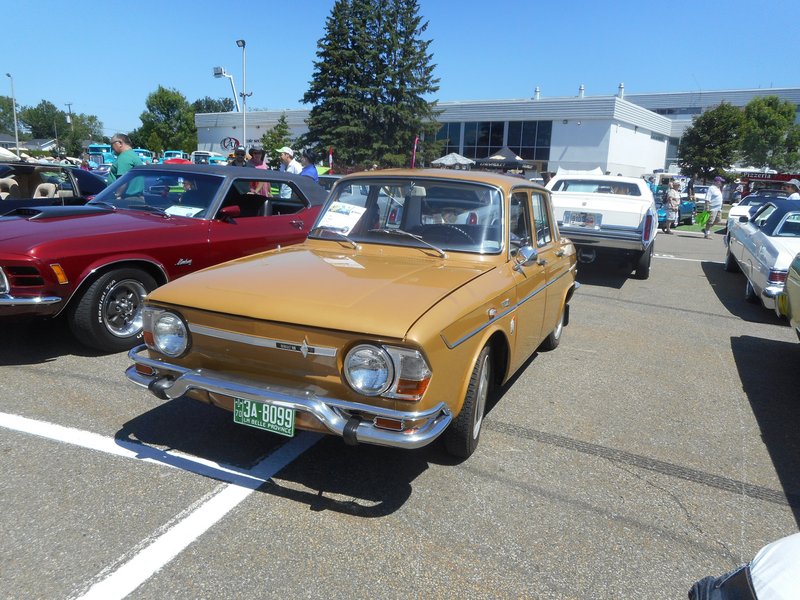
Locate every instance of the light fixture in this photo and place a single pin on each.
(219, 73)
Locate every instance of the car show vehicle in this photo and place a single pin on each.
(763, 247)
(101, 154)
(686, 213)
(787, 303)
(747, 206)
(25, 184)
(416, 294)
(95, 263)
(170, 154)
(145, 155)
(607, 215)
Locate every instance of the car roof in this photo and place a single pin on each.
(488, 177)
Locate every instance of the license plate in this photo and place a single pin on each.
(583, 219)
(276, 419)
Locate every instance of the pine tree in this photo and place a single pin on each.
(369, 84)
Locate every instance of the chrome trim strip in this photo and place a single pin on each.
(6, 300)
(505, 312)
(253, 340)
(334, 413)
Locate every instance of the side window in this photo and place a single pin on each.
(541, 218)
(519, 221)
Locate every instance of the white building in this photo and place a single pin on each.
(629, 134)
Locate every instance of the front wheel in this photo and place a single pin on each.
(551, 341)
(108, 315)
(461, 438)
(730, 262)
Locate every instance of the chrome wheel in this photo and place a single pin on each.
(121, 307)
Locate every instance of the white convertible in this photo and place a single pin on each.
(606, 215)
(763, 248)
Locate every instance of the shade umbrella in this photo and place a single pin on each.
(504, 158)
(453, 159)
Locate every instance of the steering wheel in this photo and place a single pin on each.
(445, 231)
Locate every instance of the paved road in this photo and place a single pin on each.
(656, 445)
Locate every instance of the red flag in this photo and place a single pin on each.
(414, 153)
(330, 158)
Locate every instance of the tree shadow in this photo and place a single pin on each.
(768, 371)
(29, 342)
(729, 288)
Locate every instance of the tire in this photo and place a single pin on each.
(749, 293)
(643, 263)
(551, 341)
(108, 315)
(691, 220)
(463, 435)
(731, 266)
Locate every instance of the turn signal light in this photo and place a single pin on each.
(59, 273)
(145, 370)
(411, 387)
(385, 423)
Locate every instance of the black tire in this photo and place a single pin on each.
(692, 218)
(461, 438)
(643, 263)
(749, 293)
(108, 314)
(731, 266)
(551, 341)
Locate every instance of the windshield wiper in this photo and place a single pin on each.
(101, 203)
(148, 208)
(338, 234)
(411, 235)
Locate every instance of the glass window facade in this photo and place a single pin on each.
(529, 139)
(452, 133)
(482, 138)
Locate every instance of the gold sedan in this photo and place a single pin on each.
(788, 301)
(416, 295)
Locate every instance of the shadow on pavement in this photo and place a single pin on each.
(729, 288)
(606, 273)
(768, 371)
(34, 342)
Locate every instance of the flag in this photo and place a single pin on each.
(414, 153)
(330, 158)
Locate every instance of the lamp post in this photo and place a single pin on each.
(244, 94)
(14, 105)
(219, 72)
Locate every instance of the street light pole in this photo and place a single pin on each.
(242, 44)
(220, 72)
(14, 105)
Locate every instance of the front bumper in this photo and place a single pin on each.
(341, 417)
(7, 300)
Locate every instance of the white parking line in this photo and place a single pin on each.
(165, 544)
(673, 257)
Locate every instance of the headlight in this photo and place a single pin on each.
(389, 371)
(369, 370)
(165, 332)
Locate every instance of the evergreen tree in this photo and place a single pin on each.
(276, 137)
(710, 145)
(369, 83)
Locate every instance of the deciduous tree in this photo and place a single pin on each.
(709, 146)
(767, 137)
(171, 118)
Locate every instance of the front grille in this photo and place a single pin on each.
(23, 277)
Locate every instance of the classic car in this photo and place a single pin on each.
(787, 304)
(95, 263)
(686, 213)
(747, 206)
(607, 216)
(416, 294)
(763, 247)
(771, 575)
(38, 184)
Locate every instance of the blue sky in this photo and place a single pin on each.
(105, 61)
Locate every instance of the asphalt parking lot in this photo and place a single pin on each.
(658, 444)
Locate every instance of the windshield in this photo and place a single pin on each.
(177, 194)
(597, 187)
(433, 214)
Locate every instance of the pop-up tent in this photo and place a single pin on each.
(504, 158)
(454, 159)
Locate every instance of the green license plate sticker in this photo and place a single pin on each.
(276, 419)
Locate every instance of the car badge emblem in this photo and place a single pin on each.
(304, 348)
(183, 262)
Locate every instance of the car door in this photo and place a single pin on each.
(748, 238)
(530, 280)
(552, 254)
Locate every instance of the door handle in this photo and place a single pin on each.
(297, 223)
(560, 252)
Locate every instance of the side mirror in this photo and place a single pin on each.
(744, 219)
(229, 213)
(526, 256)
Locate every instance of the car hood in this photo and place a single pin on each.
(367, 293)
(617, 210)
(19, 234)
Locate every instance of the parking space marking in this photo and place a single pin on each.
(673, 257)
(166, 546)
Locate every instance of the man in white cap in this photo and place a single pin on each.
(289, 165)
(714, 203)
(793, 187)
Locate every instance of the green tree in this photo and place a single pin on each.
(276, 137)
(766, 129)
(369, 85)
(213, 105)
(44, 120)
(710, 145)
(6, 115)
(171, 118)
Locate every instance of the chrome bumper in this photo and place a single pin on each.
(599, 238)
(339, 416)
(770, 294)
(6, 300)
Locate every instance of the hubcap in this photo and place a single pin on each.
(480, 400)
(122, 308)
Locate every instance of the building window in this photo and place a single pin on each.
(483, 138)
(530, 139)
(451, 132)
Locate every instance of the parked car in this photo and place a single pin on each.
(40, 184)
(607, 216)
(686, 213)
(416, 294)
(747, 206)
(763, 247)
(787, 304)
(771, 575)
(95, 263)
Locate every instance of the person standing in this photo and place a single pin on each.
(651, 183)
(239, 157)
(288, 165)
(672, 204)
(714, 204)
(793, 187)
(257, 162)
(307, 161)
(126, 157)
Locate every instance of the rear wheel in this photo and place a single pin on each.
(643, 264)
(461, 438)
(749, 293)
(108, 316)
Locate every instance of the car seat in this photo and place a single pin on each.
(9, 188)
(45, 190)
